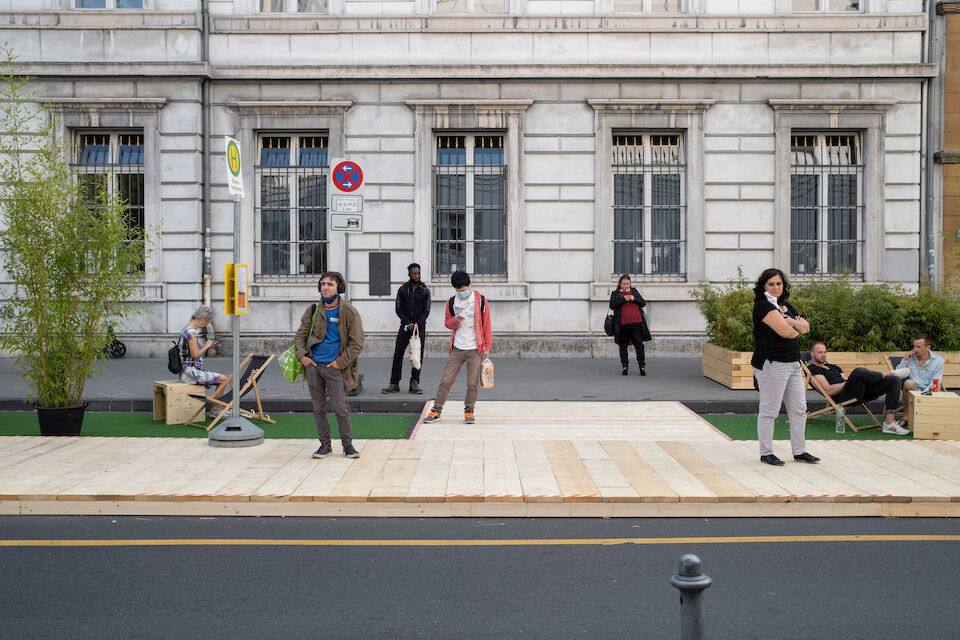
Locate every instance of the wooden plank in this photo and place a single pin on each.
(43, 447)
(536, 475)
(611, 484)
(649, 485)
(393, 485)
(216, 466)
(110, 476)
(359, 479)
(465, 482)
(575, 482)
(54, 463)
(275, 455)
(802, 481)
(177, 474)
(325, 474)
(687, 487)
(880, 483)
(501, 476)
(134, 481)
(286, 479)
(713, 478)
(429, 482)
(896, 460)
(742, 471)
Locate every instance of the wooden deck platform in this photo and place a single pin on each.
(443, 476)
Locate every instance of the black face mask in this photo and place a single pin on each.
(330, 299)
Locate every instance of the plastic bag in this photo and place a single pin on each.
(415, 351)
(486, 374)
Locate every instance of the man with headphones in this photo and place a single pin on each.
(329, 341)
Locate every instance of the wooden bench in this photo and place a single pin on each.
(172, 401)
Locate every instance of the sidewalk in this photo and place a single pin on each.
(127, 385)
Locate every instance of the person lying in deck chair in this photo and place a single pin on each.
(863, 384)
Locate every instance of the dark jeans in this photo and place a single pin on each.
(865, 385)
(400, 354)
(631, 333)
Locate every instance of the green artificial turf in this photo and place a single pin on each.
(289, 425)
(745, 428)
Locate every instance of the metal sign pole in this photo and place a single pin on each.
(235, 318)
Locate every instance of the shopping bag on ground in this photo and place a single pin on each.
(486, 374)
(415, 350)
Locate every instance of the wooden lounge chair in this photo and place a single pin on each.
(223, 399)
(832, 405)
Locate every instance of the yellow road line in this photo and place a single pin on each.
(527, 542)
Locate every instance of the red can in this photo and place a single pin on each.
(936, 385)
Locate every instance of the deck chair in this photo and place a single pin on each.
(223, 399)
(832, 405)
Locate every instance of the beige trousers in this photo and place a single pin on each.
(456, 360)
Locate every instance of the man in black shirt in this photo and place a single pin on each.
(862, 384)
(413, 307)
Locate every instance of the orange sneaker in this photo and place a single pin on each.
(468, 418)
(433, 416)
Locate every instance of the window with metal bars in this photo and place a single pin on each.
(826, 204)
(293, 6)
(649, 6)
(469, 206)
(113, 161)
(473, 6)
(109, 4)
(649, 205)
(291, 206)
(826, 6)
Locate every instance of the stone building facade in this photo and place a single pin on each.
(543, 145)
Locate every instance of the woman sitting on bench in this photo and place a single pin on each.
(193, 346)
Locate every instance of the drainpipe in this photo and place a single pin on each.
(928, 215)
(205, 168)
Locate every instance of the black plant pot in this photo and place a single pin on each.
(61, 421)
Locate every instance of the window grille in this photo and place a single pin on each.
(826, 204)
(291, 207)
(649, 206)
(113, 161)
(109, 4)
(648, 6)
(469, 206)
(293, 6)
(825, 6)
(472, 6)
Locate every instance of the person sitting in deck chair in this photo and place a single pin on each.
(863, 384)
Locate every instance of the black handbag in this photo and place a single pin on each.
(608, 325)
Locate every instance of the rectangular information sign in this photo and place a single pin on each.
(241, 299)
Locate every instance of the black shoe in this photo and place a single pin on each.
(323, 451)
(415, 387)
(771, 459)
(624, 371)
(806, 457)
(391, 388)
(643, 369)
(349, 451)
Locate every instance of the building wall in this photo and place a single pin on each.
(735, 77)
(951, 150)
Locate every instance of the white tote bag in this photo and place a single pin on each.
(415, 350)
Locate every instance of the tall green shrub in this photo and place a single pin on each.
(71, 260)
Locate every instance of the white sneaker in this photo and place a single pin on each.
(903, 373)
(894, 428)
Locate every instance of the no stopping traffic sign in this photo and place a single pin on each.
(347, 176)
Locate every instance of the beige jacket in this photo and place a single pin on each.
(351, 338)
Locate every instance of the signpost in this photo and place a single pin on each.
(346, 188)
(235, 431)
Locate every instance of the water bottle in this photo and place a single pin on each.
(841, 424)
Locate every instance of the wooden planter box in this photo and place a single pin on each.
(732, 368)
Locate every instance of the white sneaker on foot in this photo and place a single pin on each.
(894, 428)
(903, 373)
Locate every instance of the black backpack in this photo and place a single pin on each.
(483, 304)
(174, 358)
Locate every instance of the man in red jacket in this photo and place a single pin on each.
(467, 315)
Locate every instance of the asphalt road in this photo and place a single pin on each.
(508, 588)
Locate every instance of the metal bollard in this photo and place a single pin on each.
(691, 582)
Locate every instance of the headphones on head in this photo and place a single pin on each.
(341, 288)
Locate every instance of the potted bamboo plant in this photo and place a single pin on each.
(71, 260)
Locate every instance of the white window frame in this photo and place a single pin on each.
(865, 116)
(824, 168)
(509, 6)
(470, 171)
(647, 168)
(679, 115)
(470, 115)
(120, 115)
(293, 171)
(823, 6)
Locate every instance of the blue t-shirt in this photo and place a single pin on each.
(327, 351)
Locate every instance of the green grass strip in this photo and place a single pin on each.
(289, 425)
(745, 428)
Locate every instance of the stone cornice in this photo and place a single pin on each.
(65, 105)
(608, 105)
(476, 105)
(289, 107)
(831, 105)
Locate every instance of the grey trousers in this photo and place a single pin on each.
(456, 360)
(781, 382)
(323, 380)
